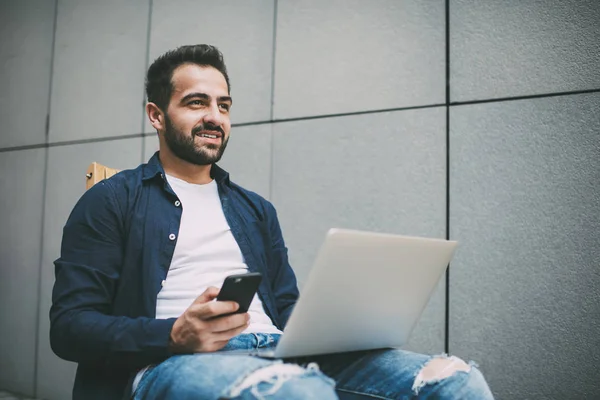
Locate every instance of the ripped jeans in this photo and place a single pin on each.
(378, 374)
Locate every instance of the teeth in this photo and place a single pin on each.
(209, 136)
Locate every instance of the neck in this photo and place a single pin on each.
(181, 169)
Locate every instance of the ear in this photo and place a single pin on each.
(156, 116)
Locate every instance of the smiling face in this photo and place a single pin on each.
(196, 123)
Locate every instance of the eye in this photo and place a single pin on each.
(195, 103)
(225, 106)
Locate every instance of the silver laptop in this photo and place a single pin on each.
(365, 291)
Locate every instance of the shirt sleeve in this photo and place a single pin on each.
(284, 285)
(82, 328)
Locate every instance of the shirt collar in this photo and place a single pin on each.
(154, 168)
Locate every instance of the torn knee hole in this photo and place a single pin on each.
(275, 375)
(439, 368)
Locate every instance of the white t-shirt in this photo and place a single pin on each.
(205, 254)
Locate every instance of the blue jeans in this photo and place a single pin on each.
(379, 374)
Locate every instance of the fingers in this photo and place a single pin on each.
(204, 326)
(210, 340)
(209, 294)
(193, 335)
(204, 308)
(206, 311)
(230, 322)
(224, 336)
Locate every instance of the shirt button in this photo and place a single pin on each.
(177, 203)
(172, 236)
(163, 283)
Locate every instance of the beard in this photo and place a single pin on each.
(185, 147)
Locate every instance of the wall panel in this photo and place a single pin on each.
(26, 57)
(525, 206)
(22, 188)
(98, 77)
(341, 56)
(516, 48)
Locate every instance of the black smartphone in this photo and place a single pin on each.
(241, 289)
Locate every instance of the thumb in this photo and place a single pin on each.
(209, 294)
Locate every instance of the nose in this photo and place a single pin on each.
(214, 115)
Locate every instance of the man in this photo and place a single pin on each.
(144, 252)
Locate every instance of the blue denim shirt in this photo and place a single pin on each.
(116, 250)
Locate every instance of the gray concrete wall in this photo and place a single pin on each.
(347, 113)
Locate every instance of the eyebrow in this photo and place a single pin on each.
(205, 97)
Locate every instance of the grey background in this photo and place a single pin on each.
(347, 114)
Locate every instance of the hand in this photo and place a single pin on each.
(205, 326)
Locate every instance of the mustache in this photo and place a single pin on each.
(207, 127)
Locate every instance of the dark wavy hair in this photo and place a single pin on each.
(159, 86)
